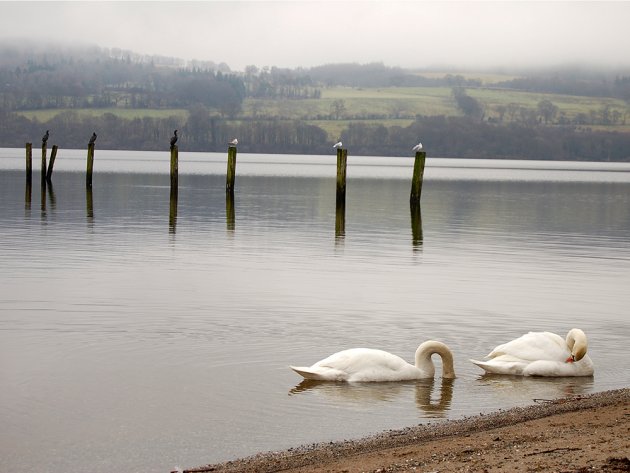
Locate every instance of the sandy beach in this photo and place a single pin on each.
(577, 434)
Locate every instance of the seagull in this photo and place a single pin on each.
(234, 142)
(93, 138)
(174, 138)
(418, 147)
(45, 138)
(338, 144)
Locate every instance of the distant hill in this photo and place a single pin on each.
(135, 101)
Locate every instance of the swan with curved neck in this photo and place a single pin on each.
(541, 354)
(369, 365)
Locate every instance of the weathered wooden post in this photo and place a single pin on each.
(51, 163)
(172, 212)
(342, 160)
(418, 173)
(230, 214)
(416, 225)
(174, 168)
(90, 165)
(44, 152)
(340, 220)
(29, 162)
(231, 169)
(89, 204)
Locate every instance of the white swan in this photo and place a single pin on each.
(367, 364)
(541, 354)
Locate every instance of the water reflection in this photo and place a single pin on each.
(433, 399)
(431, 403)
(28, 194)
(230, 214)
(416, 225)
(172, 213)
(340, 220)
(89, 204)
(52, 198)
(42, 200)
(535, 388)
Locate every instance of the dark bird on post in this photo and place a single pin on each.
(45, 137)
(93, 138)
(174, 138)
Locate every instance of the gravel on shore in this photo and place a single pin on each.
(456, 445)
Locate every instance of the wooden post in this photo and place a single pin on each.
(231, 170)
(29, 162)
(342, 160)
(90, 166)
(89, 204)
(174, 168)
(340, 220)
(416, 225)
(418, 173)
(172, 212)
(28, 194)
(53, 155)
(44, 152)
(230, 214)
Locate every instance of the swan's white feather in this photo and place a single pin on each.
(535, 354)
(368, 364)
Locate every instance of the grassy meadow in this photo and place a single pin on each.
(389, 106)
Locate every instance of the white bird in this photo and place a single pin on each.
(234, 142)
(338, 144)
(541, 354)
(418, 147)
(367, 364)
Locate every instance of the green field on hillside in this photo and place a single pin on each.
(339, 106)
(126, 113)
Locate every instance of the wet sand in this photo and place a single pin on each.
(577, 434)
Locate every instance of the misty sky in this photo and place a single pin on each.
(310, 33)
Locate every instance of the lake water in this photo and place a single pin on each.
(137, 335)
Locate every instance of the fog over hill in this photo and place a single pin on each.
(310, 33)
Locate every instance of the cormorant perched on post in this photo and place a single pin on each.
(45, 137)
(93, 138)
(174, 138)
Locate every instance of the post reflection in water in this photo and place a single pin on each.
(172, 213)
(416, 225)
(42, 201)
(230, 213)
(89, 204)
(28, 194)
(340, 220)
(428, 401)
(52, 198)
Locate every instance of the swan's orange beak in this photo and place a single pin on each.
(571, 359)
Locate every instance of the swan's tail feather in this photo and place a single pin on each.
(307, 373)
(501, 367)
(488, 367)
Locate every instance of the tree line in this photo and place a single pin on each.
(462, 137)
(57, 78)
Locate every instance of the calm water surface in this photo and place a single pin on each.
(137, 333)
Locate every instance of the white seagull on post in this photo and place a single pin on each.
(234, 142)
(418, 147)
(338, 144)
